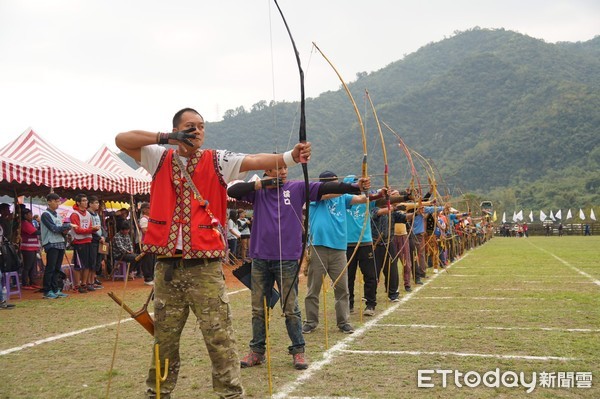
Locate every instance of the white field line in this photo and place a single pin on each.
(461, 354)
(330, 354)
(433, 326)
(76, 332)
(493, 289)
(564, 262)
(487, 298)
(549, 277)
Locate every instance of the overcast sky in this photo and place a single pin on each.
(78, 72)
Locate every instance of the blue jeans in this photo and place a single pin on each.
(264, 274)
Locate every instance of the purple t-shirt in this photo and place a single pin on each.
(265, 240)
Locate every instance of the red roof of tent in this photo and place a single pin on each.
(64, 171)
(107, 160)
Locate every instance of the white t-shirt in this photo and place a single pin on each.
(229, 167)
(229, 162)
(232, 230)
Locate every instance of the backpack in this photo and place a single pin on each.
(10, 259)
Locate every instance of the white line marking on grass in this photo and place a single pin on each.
(341, 346)
(76, 332)
(564, 262)
(486, 298)
(60, 336)
(420, 353)
(556, 329)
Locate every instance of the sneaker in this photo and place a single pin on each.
(299, 361)
(149, 282)
(407, 288)
(50, 295)
(60, 294)
(97, 282)
(81, 289)
(6, 305)
(369, 311)
(98, 286)
(419, 281)
(395, 299)
(252, 359)
(90, 288)
(352, 310)
(307, 329)
(347, 329)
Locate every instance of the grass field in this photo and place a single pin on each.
(517, 305)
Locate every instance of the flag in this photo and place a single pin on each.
(520, 215)
(503, 217)
(569, 215)
(542, 216)
(514, 216)
(531, 216)
(581, 214)
(552, 216)
(494, 218)
(592, 216)
(558, 214)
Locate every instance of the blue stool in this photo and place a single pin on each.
(6, 282)
(119, 270)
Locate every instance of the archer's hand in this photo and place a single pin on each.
(271, 182)
(301, 152)
(364, 183)
(182, 135)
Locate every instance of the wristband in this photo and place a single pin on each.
(288, 159)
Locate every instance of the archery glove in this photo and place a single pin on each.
(182, 135)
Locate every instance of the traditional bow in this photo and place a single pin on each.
(301, 139)
(364, 160)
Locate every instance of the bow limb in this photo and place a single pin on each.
(386, 182)
(301, 139)
(364, 160)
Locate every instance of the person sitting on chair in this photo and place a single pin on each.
(123, 246)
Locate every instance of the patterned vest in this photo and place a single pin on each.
(173, 205)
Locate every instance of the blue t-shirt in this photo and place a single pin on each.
(328, 222)
(418, 224)
(355, 218)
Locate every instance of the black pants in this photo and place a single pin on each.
(383, 259)
(54, 258)
(364, 259)
(29, 261)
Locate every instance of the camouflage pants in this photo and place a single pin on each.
(196, 284)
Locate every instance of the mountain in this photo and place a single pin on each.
(501, 115)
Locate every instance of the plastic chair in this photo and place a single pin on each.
(119, 270)
(10, 291)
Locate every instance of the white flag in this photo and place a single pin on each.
(592, 216)
(503, 217)
(520, 215)
(552, 215)
(569, 215)
(542, 216)
(558, 214)
(531, 216)
(581, 214)
(514, 216)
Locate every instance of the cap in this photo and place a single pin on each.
(327, 175)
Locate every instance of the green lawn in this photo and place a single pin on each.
(518, 305)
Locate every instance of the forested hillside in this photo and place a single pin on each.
(501, 115)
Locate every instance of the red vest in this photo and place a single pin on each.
(172, 204)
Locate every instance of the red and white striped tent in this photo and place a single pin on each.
(106, 159)
(15, 175)
(57, 170)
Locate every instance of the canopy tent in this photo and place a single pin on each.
(18, 176)
(105, 159)
(55, 170)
